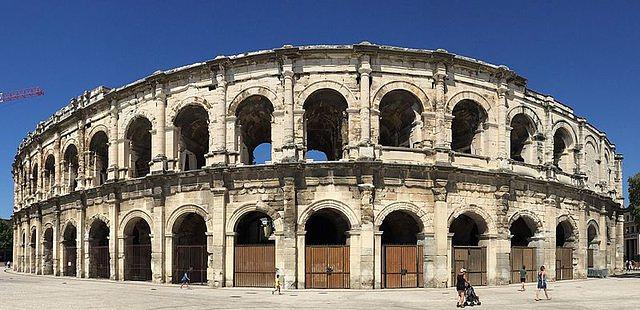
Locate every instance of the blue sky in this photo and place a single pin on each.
(583, 53)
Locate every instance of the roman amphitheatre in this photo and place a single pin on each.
(424, 162)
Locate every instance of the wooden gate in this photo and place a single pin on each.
(327, 266)
(564, 263)
(99, 258)
(472, 258)
(190, 256)
(589, 258)
(402, 266)
(523, 256)
(137, 262)
(70, 258)
(254, 265)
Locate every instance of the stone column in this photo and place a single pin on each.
(490, 242)
(377, 245)
(122, 241)
(300, 264)
(503, 261)
(365, 150)
(550, 210)
(38, 262)
(80, 233)
(355, 254)
(218, 138)
(56, 244)
(367, 245)
(112, 171)
(602, 236)
(58, 164)
(158, 145)
(168, 249)
(81, 154)
(114, 247)
(286, 243)
(289, 150)
(157, 233)
(504, 151)
(548, 141)
(230, 237)
(216, 240)
(232, 148)
(437, 249)
(580, 260)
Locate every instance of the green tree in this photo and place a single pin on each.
(634, 196)
(6, 235)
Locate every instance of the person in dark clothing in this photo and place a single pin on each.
(542, 283)
(461, 284)
(523, 277)
(185, 278)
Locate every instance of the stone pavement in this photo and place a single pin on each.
(20, 291)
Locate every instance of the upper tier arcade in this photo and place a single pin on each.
(349, 102)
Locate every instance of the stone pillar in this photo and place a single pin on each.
(365, 150)
(377, 245)
(230, 238)
(158, 144)
(503, 259)
(81, 154)
(580, 260)
(437, 247)
(602, 237)
(287, 242)
(122, 241)
(504, 139)
(218, 122)
(157, 233)
(80, 234)
(168, 249)
(112, 170)
(538, 241)
(619, 243)
(548, 141)
(300, 244)
(550, 212)
(367, 246)
(490, 242)
(233, 154)
(56, 244)
(114, 247)
(289, 150)
(441, 136)
(58, 165)
(38, 245)
(216, 240)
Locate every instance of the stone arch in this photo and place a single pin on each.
(522, 109)
(593, 223)
(94, 130)
(131, 119)
(566, 126)
(68, 143)
(131, 215)
(532, 220)
(475, 97)
(191, 100)
(186, 209)
(326, 84)
(93, 218)
(68, 222)
(253, 91)
(329, 204)
(46, 226)
(402, 85)
(416, 212)
(247, 208)
(566, 218)
(591, 139)
(479, 215)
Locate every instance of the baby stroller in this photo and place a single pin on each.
(470, 297)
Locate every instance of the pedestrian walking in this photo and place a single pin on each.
(461, 285)
(186, 279)
(276, 285)
(523, 277)
(542, 283)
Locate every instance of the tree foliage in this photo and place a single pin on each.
(634, 196)
(6, 235)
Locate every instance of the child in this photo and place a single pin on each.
(276, 285)
(185, 278)
(523, 277)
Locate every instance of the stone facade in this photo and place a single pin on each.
(428, 133)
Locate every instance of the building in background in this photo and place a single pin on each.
(6, 240)
(631, 238)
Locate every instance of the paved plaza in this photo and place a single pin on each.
(21, 291)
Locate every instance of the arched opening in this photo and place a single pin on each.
(254, 252)
(71, 165)
(137, 250)
(99, 250)
(192, 123)
(592, 165)
(523, 249)
(522, 132)
(138, 147)
(565, 239)
(469, 251)
(34, 179)
(253, 127)
(190, 248)
(262, 154)
(69, 247)
(32, 252)
(326, 123)
(47, 252)
(50, 174)
(402, 255)
(562, 157)
(467, 127)
(400, 119)
(99, 158)
(327, 250)
(592, 244)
